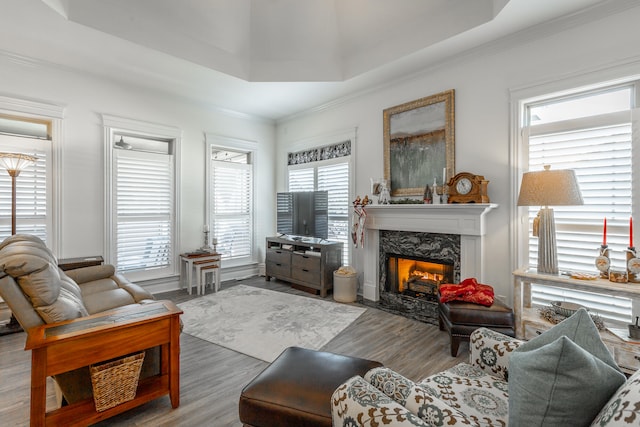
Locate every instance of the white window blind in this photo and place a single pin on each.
(332, 176)
(231, 184)
(335, 180)
(33, 192)
(598, 148)
(144, 209)
(302, 179)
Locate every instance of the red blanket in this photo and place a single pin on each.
(469, 290)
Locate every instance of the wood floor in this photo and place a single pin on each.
(212, 377)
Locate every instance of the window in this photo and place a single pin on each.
(332, 175)
(591, 133)
(34, 129)
(230, 185)
(142, 198)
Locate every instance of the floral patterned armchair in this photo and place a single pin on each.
(469, 394)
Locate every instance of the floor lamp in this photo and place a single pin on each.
(548, 188)
(14, 163)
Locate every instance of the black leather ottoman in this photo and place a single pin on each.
(296, 389)
(460, 319)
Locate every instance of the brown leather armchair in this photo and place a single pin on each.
(38, 293)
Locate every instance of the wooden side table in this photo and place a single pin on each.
(69, 345)
(529, 323)
(190, 260)
(79, 262)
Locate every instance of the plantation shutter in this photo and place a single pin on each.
(144, 210)
(335, 180)
(32, 195)
(331, 176)
(302, 179)
(231, 204)
(598, 149)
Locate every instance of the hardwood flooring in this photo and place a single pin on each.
(212, 377)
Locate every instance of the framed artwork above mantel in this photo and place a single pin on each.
(419, 143)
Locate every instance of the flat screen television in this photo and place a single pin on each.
(303, 213)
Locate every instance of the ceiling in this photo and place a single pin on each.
(264, 58)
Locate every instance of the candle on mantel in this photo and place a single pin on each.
(630, 231)
(604, 233)
(205, 228)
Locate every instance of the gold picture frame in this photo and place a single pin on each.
(419, 143)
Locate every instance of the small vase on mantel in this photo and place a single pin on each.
(427, 197)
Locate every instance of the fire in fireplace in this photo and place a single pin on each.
(416, 277)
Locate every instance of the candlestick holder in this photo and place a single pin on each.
(603, 262)
(206, 247)
(633, 265)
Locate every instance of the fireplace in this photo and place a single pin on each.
(451, 235)
(437, 254)
(416, 277)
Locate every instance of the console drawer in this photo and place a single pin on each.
(307, 262)
(306, 268)
(627, 359)
(280, 256)
(277, 269)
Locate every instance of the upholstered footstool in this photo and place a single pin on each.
(460, 319)
(296, 389)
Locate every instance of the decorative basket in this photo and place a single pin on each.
(115, 382)
(566, 309)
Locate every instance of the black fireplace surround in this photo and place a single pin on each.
(434, 247)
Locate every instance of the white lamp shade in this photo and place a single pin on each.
(550, 188)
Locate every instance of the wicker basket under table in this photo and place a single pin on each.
(116, 382)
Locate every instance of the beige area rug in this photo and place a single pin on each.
(262, 323)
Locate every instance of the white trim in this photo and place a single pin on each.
(122, 123)
(618, 73)
(112, 124)
(33, 108)
(54, 113)
(237, 144)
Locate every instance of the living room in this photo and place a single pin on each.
(90, 77)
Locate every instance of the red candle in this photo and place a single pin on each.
(604, 233)
(630, 231)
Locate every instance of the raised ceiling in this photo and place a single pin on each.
(269, 58)
(284, 40)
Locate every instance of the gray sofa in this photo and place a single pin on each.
(564, 377)
(38, 292)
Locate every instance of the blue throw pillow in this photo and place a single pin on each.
(562, 377)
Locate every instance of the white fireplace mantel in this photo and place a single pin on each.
(466, 220)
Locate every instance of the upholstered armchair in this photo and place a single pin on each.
(39, 293)
(566, 376)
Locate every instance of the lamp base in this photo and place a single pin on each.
(547, 250)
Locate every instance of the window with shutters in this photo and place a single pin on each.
(332, 175)
(230, 198)
(36, 131)
(591, 133)
(142, 197)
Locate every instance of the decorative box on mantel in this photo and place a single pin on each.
(465, 220)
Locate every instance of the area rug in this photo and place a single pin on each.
(262, 323)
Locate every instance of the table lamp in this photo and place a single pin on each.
(548, 188)
(14, 163)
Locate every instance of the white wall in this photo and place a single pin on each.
(483, 80)
(85, 98)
